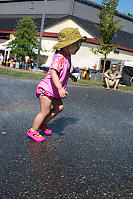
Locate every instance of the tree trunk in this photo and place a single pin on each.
(104, 65)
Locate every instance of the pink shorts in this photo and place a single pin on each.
(41, 91)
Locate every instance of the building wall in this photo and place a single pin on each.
(85, 56)
(35, 8)
(127, 25)
(67, 23)
(85, 53)
(86, 12)
(90, 13)
(61, 7)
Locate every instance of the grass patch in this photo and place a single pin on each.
(125, 88)
(21, 73)
(38, 76)
(88, 82)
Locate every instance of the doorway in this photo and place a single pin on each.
(107, 65)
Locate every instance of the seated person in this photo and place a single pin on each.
(131, 80)
(112, 77)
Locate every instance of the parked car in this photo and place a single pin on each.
(127, 72)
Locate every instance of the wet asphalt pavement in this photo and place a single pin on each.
(88, 156)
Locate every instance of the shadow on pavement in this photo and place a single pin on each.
(59, 124)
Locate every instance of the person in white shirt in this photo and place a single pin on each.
(1, 59)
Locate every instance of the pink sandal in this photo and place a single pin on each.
(35, 136)
(45, 129)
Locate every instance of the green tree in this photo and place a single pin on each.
(107, 27)
(25, 38)
(130, 15)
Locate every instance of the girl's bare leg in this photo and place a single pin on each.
(45, 104)
(57, 108)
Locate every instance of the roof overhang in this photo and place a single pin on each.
(55, 35)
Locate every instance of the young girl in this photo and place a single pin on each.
(52, 88)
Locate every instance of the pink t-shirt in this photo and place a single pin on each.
(61, 63)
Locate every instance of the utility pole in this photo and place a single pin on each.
(41, 31)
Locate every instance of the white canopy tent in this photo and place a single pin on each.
(4, 47)
(41, 52)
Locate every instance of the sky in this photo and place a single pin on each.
(124, 6)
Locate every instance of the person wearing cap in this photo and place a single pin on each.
(52, 89)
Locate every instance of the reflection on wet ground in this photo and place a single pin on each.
(88, 156)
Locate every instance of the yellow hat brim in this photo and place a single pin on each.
(62, 44)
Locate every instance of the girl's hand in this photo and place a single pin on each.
(62, 92)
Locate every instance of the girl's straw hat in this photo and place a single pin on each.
(68, 36)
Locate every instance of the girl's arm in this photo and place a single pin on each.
(62, 92)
